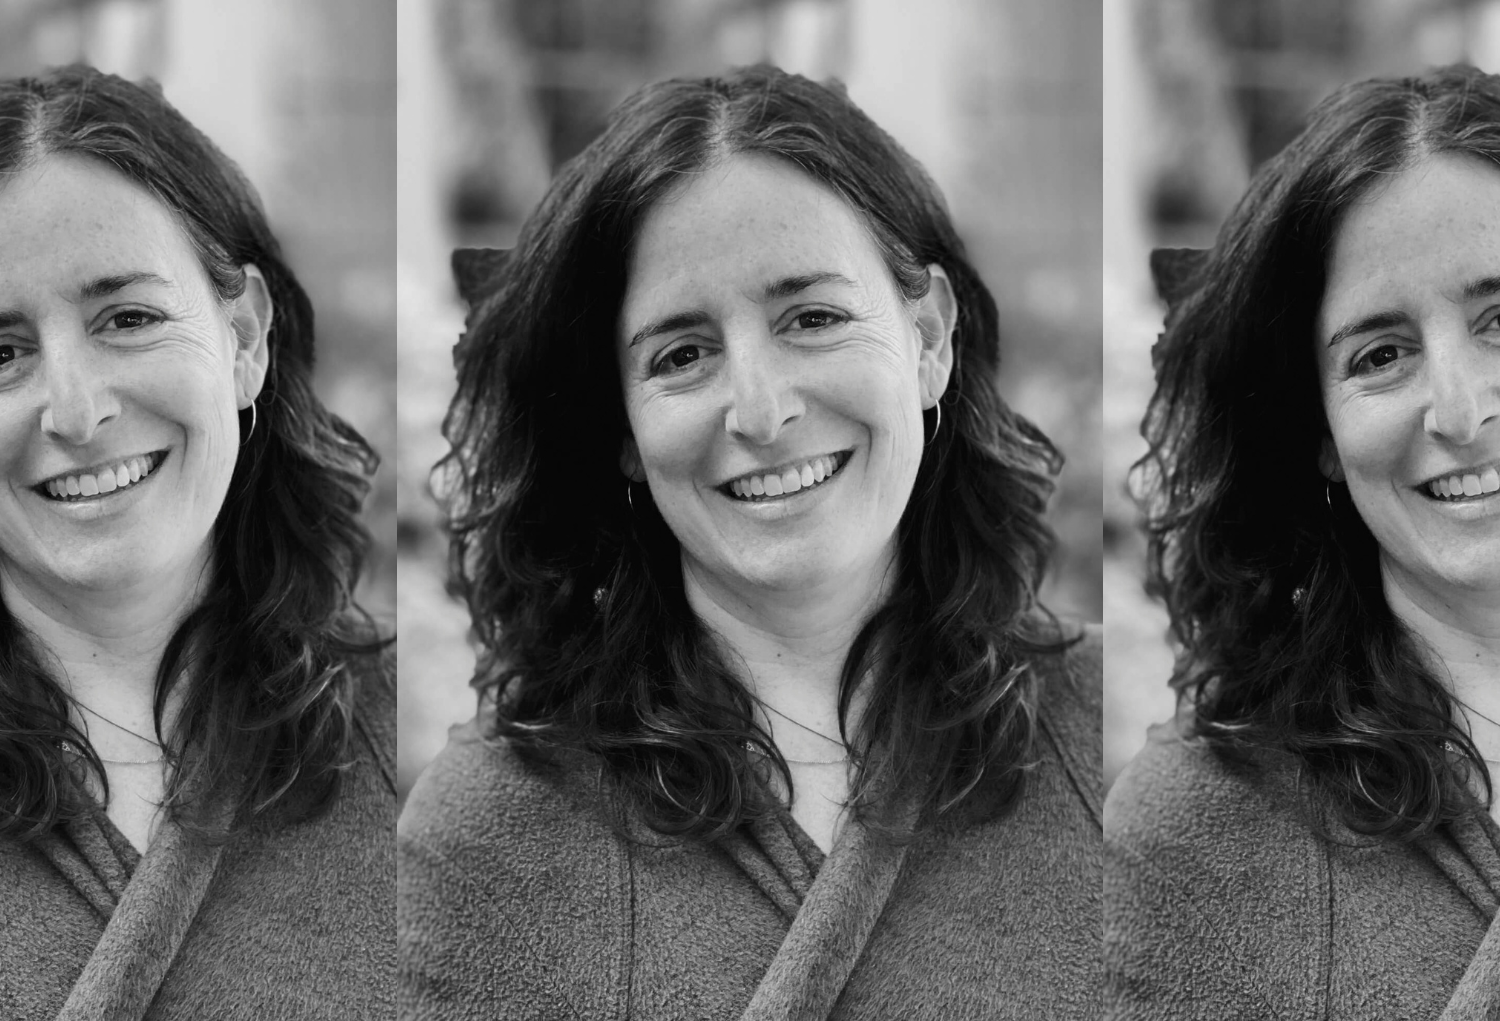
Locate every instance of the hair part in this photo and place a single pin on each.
(266, 668)
(1269, 574)
(588, 641)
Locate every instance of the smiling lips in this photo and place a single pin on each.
(784, 481)
(82, 485)
(1464, 486)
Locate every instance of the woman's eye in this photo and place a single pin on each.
(10, 357)
(1376, 358)
(817, 319)
(677, 359)
(133, 319)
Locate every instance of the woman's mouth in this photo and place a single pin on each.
(789, 479)
(102, 481)
(1463, 486)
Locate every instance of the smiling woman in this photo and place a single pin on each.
(772, 724)
(1323, 503)
(102, 284)
(195, 718)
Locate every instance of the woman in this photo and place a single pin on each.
(771, 723)
(1311, 838)
(195, 719)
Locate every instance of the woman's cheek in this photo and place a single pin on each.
(673, 437)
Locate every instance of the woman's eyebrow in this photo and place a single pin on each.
(1481, 288)
(104, 286)
(788, 286)
(675, 321)
(1378, 321)
(783, 288)
(91, 291)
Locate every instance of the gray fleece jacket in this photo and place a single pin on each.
(517, 900)
(290, 925)
(1221, 902)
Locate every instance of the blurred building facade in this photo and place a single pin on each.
(999, 99)
(1198, 94)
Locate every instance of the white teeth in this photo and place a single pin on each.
(1455, 486)
(790, 481)
(107, 480)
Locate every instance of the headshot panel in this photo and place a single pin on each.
(774, 719)
(1317, 497)
(197, 715)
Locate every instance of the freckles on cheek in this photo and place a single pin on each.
(671, 438)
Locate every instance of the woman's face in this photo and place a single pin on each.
(774, 379)
(120, 379)
(1409, 357)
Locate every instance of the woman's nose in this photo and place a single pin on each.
(762, 398)
(78, 397)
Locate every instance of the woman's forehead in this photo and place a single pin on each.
(69, 222)
(745, 224)
(1427, 235)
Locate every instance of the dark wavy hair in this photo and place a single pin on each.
(1270, 576)
(578, 600)
(268, 663)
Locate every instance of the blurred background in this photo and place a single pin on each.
(302, 95)
(999, 99)
(1197, 93)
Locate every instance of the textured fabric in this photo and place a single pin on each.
(1222, 901)
(519, 900)
(295, 923)
(830, 930)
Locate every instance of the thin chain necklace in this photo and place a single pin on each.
(795, 723)
(841, 761)
(69, 746)
(135, 734)
(1470, 709)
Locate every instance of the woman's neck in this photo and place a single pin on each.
(105, 645)
(792, 644)
(1461, 630)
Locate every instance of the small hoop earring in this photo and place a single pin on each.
(252, 425)
(1328, 495)
(938, 407)
(629, 497)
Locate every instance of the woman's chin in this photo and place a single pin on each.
(805, 562)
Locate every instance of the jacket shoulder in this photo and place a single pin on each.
(1216, 888)
(1070, 705)
(512, 890)
(1179, 797)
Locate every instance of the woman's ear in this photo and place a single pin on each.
(630, 461)
(1328, 461)
(251, 315)
(937, 315)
